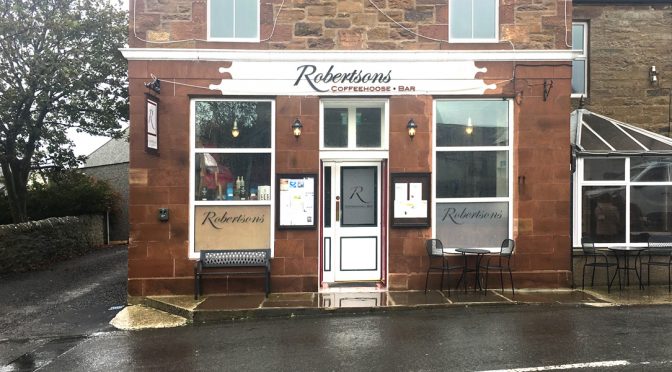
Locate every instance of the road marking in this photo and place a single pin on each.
(607, 363)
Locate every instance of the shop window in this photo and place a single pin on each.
(625, 200)
(233, 20)
(232, 183)
(473, 21)
(350, 125)
(580, 63)
(472, 172)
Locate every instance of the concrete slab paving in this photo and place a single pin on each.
(241, 306)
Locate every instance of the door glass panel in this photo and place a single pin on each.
(327, 196)
(335, 127)
(359, 196)
(368, 127)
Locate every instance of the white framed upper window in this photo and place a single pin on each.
(233, 20)
(354, 124)
(580, 63)
(473, 21)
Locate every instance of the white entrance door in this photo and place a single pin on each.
(351, 221)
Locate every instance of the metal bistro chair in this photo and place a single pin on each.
(438, 261)
(589, 251)
(659, 254)
(502, 262)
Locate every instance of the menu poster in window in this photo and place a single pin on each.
(297, 200)
(410, 200)
(152, 124)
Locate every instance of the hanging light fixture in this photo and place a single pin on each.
(470, 127)
(296, 128)
(411, 126)
(234, 131)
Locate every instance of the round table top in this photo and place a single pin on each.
(472, 250)
(626, 249)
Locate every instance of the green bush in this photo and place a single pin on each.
(68, 193)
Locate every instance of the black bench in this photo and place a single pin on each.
(224, 263)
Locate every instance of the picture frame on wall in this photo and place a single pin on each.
(151, 124)
(297, 201)
(410, 200)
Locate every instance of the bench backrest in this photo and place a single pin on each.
(242, 257)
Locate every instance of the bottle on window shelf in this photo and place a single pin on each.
(243, 195)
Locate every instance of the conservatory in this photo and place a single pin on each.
(622, 181)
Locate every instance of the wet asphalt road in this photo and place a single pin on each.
(68, 302)
(457, 339)
(58, 321)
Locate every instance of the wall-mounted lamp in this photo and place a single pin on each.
(411, 126)
(653, 75)
(470, 127)
(296, 128)
(234, 131)
(154, 85)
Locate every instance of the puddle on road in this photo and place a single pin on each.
(43, 355)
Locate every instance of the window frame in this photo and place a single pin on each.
(193, 151)
(456, 40)
(627, 183)
(509, 148)
(352, 105)
(583, 57)
(233, 39)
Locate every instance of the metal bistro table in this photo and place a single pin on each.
(479, 253)
(624, 265)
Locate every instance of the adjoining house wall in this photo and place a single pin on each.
(117, 176)
(625, 40)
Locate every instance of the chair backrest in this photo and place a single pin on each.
(588, 246)
(508, 245)
(660, 241)
(434, 247)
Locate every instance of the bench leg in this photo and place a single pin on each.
(268, 281)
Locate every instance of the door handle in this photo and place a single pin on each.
(338, 208)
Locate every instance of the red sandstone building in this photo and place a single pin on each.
(343, 134)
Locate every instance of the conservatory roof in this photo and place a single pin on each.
(595, 134)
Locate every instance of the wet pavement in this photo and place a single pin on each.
(245, 306)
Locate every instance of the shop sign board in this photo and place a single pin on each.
(345, 78)
(232, 227)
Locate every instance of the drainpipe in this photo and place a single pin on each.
(572, 171)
